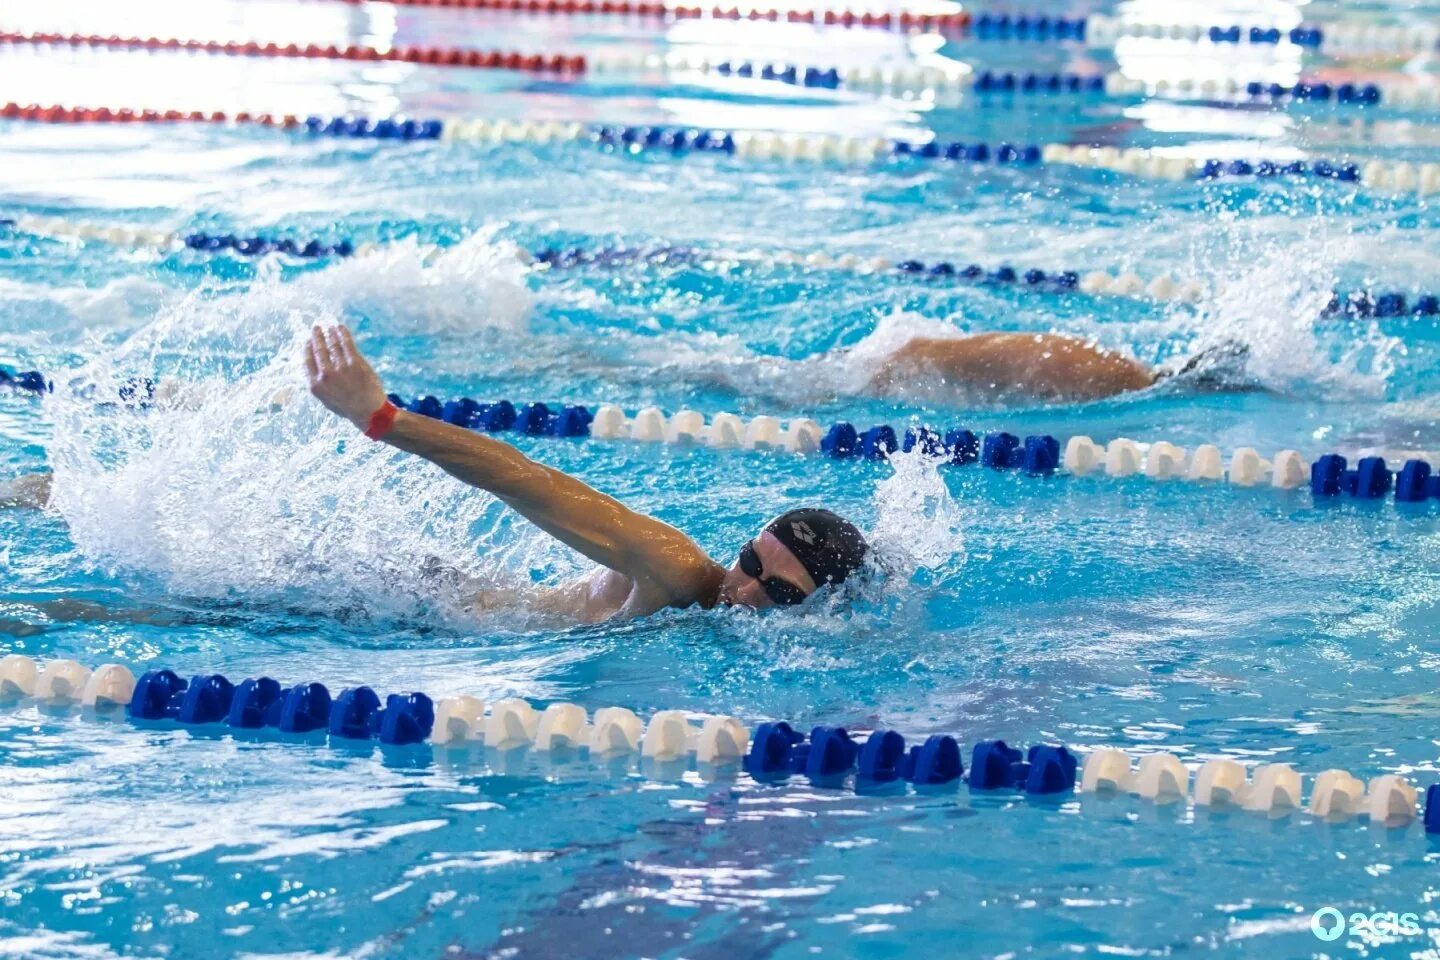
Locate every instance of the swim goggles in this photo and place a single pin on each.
(783, 592)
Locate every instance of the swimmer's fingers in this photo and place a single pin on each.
(338, 357)
(351, 353)
(312, 364)
(320, 349)
(347, 343)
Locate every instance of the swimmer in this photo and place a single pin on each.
(645, 565)
(1049, 367)
(1038, 366)
(967, 369)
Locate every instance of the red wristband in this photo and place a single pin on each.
(381, 421)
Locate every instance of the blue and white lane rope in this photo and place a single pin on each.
(1330, 475)
(1372, 478)
(948, 86)
(774, 751)
(1161, 287)
(1162, 163)
(1331, 38)
(1098, 30)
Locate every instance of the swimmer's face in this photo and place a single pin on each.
(786, 576)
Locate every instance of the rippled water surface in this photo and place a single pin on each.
(242, 533)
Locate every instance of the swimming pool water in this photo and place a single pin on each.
(235, 538)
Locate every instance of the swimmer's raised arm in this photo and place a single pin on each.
(595, 524)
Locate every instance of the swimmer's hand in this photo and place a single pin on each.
(340, 377)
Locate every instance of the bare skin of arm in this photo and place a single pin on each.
(1043, 366)
(31, 490)
(649, 564)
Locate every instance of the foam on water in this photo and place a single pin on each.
(476, 284)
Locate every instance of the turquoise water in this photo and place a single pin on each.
(231, 536)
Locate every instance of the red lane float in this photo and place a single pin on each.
(903, 20)
(438, 56)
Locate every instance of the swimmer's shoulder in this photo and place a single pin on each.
(689, 581)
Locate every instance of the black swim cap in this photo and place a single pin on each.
(1217, 369)
(828, 547)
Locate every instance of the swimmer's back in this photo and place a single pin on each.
(1043, 366)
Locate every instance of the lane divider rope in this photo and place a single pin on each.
(902, 20)
(1372, 478)
(1161, 287)
(1097, 30)
(1404, 177)
(1036, 455)
(437, 56)
(1333, 38)
(917, 81)
(830, 757)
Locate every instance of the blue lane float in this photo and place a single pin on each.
(1367, 303)
(1003, 26)
(1001, 451)
(260, 246)
(1367, 94)
(1324, 169)
(260, 702)
(28, 381)
(383, 129)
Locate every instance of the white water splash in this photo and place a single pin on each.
(477, 284)
(1274, 308)
(58, 313)
(238, 484)
(918, 526)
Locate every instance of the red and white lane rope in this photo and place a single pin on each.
(557, 63)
